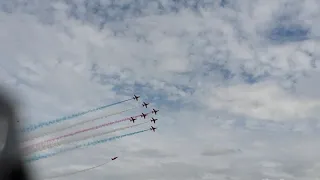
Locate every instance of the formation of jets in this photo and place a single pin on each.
(144, 104)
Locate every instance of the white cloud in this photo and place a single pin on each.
(262, 101)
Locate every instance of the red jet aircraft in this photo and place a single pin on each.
(153, 120)
(145, 104)
(133, 119)
(143, 115)
(136, 97)
(153, 129)
(154, 111)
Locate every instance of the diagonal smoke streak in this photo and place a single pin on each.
(52, 145)
(92, 143)
(80, 123)
(33, 127)
(80, 131)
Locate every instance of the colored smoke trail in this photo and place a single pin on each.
(49, 123)
(76, 172)
(81, 131)
(48, 146)
(79, 123)
(92, 143)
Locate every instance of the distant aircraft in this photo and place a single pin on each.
(143, 115)
(114, 158)
(153, 120)
(153, 129)
(145, 104)
(136, 97)
(154, 111)
(133, 119)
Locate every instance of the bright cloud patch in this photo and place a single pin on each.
(263, 101)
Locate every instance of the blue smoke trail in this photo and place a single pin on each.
(92, 143)
(49, 123)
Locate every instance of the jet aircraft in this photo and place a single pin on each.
(136, 97)
(153, 129)
(154, 111)
(133, 119)
(153, 120)
(143, 115)
(145, 104)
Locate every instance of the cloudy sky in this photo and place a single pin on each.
(236, 81)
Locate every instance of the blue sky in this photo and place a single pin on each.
(236, 82)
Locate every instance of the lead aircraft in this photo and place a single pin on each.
(136, 97)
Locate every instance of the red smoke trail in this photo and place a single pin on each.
(79, 123)
(54, 144)
(80, 131)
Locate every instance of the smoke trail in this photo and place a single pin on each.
(80, 123)
(92, 143)
(44, 147)
(33, 127)
(81, 131)
(76, 172)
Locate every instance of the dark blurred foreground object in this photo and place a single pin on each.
(11, 162)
